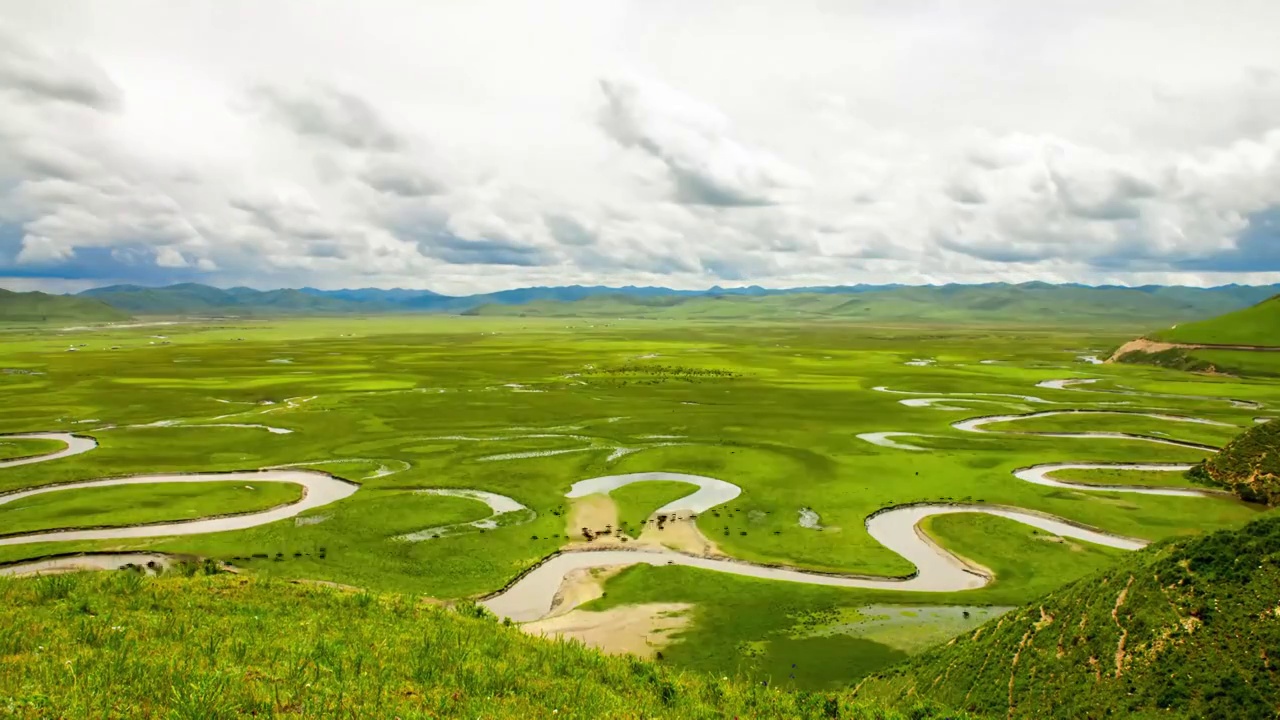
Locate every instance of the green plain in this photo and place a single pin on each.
(21, 448)
(139, 504)
(525, 407)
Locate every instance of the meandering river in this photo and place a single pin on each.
(531, 596)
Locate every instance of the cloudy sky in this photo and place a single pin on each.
(474, 145)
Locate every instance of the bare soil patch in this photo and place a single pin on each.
(640, 630)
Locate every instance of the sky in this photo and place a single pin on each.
(473, 146)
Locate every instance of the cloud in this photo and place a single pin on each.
(403, 179)
(38, 250)
(43, 76)
(569, 231)
(61, 216)
(326, 113)
(707, 166)
(1256, 248)
(482, 251)
(1052, 199)
(168, 257)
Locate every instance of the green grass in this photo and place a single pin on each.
(1254, 325)
(1214, 435)
(1181, 630)
(11, 449)
(1107, 476)
(119, 645)
(636, 502)
(1241, 362)
(1042, 562)
(137, 504)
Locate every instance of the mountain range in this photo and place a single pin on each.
(1148, 306)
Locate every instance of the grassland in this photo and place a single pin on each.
(525, 407)
(1106, 476)
(1215, 435)
(121, 645)
(13, 449)
(1241, 362)
(139, 504)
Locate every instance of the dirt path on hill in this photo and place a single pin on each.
(1155, 346)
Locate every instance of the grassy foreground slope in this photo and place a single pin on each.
(1256, 325)
(120, 645)
(38, 307)
(1249, 466)
(1184, 629)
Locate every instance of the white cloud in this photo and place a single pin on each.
(37, 249)
(169, 257)
(43, 75)
(657, 143)
(707, 166)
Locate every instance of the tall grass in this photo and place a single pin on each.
(122, 645)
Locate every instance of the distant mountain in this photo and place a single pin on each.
(997, 303)
(993, 302)
(1185, 629)
(195, 299)
(372, 295)
(38, 307)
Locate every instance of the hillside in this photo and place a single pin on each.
(1186, 629)
(1249, 466)
(1256, 325)
(1242, 342)
(119, 644)
(38, 307)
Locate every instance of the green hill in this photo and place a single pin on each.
(38, 307)
(1249, 466)
(1185, 629)
(1242, 342)
(121, 645)
(1256, 325)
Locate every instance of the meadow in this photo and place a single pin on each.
(121, 645)
(525, 407)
